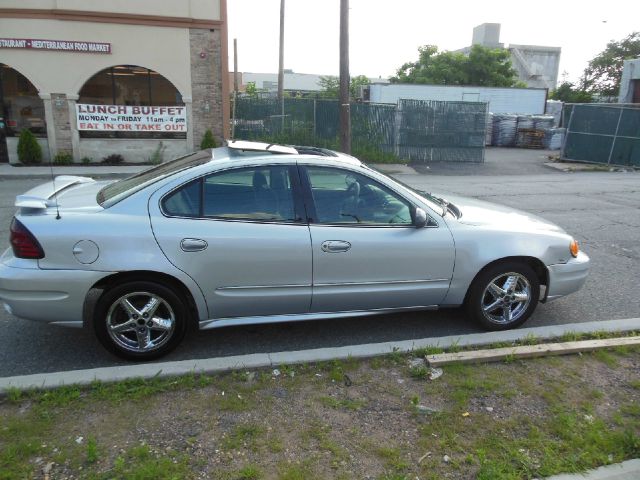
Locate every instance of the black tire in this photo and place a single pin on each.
(482, 294)
(160, 333)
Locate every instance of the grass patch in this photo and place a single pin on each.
(243, 436)
(249, 472)
(605, 357)
(92, 450)
(301, 471)
(234, 402)
(393, 459)
(140, 464)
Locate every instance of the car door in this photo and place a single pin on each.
(367, 254)
(240, 234)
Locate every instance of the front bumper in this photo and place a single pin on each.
(566, 278)
(51, 296)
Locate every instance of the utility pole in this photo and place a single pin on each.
(345, 110)
(281, 64)
(235, 87)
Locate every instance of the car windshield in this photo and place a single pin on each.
(117, 191)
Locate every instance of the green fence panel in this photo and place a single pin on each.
(414, 130)
(606, 134)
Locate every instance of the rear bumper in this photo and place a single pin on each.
(51, 296)
(566, 278)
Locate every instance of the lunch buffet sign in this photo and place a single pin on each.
(56, 45)
(131, 118)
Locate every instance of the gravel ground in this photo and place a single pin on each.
(375, 419)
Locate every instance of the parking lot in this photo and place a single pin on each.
(601, 209)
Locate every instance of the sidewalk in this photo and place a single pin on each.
(10, 171)
(629, 470)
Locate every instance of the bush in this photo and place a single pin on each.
(86, 160)
(29, 150)
(113, 159)
(63, 158)
(208, 141)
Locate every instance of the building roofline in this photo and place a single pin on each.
(110, 17)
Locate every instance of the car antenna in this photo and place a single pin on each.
(55, 193)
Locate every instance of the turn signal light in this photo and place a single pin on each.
(23, 243)
(574, 248)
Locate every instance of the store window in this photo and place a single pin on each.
(132, 86)
(21, 106)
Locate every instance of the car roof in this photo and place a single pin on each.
(242, 151)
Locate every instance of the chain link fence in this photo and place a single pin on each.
(605, 134)
(413, 130)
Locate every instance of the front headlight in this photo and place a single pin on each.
(574, 248)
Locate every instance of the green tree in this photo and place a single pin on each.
(568, 93)
(331, 86)
(29, 150)
(482, 66)
(602, 75)
(251, 89)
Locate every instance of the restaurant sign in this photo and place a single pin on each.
(57, 45)
(131, 118)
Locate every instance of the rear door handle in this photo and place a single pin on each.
(193, 245)
(335, 246)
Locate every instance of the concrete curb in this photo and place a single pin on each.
(258, 360)
(629, 470)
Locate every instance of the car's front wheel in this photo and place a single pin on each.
(140, 320)
(504, 295)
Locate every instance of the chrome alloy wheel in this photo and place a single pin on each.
(140, 322)
(506, 298)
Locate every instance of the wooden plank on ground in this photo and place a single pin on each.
(527, 351)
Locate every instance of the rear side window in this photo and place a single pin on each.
(260, 193)
(184, 202)
(117, 191)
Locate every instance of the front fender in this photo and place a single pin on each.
(477, 247)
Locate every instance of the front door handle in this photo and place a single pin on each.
(193, 245)
(335, 246)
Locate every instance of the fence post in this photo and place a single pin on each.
(566, 137)
(484, 130)
(315, 101)
(398, 123)
(615, 136)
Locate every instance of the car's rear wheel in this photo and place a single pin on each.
(140, 320)
(504, 295)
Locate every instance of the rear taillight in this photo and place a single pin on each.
(23, 242)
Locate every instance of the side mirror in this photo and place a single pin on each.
(419, 218)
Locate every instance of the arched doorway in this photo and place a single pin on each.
(20, 108)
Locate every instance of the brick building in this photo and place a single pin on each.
(92, 78)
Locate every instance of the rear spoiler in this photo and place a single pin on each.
(43, 195)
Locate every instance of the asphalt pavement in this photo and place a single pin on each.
(602, 210)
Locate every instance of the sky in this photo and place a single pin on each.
(386, 34)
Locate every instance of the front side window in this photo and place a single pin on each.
(259, 193)
(346, 197)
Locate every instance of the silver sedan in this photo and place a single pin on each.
(256, 233)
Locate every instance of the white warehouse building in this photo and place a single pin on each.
(526, 101)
